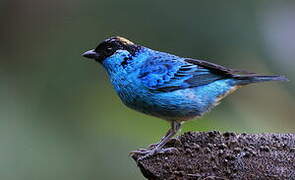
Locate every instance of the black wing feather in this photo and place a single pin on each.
(187, 74)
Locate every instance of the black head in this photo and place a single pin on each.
(109, 46)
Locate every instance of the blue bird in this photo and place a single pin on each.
(167, 86)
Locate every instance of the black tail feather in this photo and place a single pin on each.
(257, 78)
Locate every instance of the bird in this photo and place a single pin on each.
(167, 86)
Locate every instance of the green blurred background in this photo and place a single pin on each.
(59, 116)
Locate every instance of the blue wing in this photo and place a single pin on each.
(169, 75)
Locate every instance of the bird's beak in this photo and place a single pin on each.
(91, 54)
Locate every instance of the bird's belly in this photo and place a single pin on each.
(179, 105)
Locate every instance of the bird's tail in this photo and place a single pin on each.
(249, 79)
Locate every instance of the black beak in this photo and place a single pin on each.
(91, 54)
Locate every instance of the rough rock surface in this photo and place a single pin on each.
(215, 155)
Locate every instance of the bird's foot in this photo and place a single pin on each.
(144, 153)
(140, 151)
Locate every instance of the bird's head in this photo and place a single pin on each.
(114, 46)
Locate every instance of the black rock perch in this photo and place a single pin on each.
(215, 155)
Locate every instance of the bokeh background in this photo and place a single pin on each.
(59, 116)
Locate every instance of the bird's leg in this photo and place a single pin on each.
(175, 126)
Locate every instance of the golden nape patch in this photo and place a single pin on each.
(126, 41)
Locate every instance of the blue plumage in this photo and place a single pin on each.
(172, 88)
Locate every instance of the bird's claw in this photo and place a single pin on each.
(144, 153)
(140, 151)
(170, 150)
